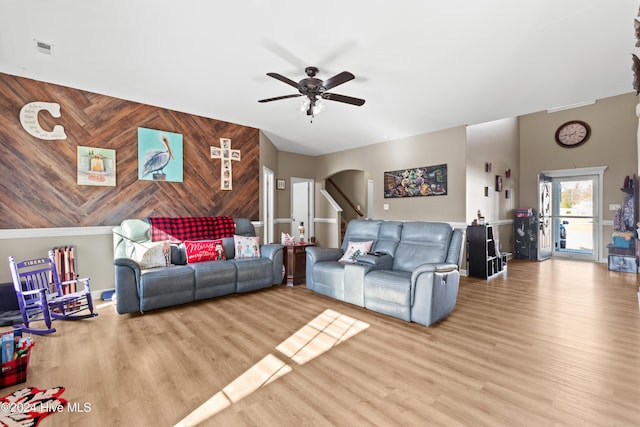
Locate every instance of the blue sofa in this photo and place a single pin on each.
(140, 290)
(412, 271)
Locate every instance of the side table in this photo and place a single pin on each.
(295, 263)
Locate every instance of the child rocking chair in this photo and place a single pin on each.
(41, 294)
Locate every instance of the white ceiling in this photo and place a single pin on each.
(421, 65)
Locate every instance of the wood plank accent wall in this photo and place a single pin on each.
(38, 178)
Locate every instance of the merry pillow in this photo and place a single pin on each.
(356, 249)
(204, 250)
(152, 254)
(247, 247)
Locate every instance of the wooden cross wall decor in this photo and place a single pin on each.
(226, 154)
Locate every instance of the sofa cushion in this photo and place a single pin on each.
(422, 243)
(178, 254)
(388, 292)
(204, 250)
(253, 273)
(388, 237)
(361, 230)
(388, 285)
(213, 279)
(164, 287)
(243, 227)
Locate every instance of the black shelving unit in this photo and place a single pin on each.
(525, 234)
(483, 258)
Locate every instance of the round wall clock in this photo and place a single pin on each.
(573, 133)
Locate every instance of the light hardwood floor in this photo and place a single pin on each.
(554, 343)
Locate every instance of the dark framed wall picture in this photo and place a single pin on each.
(498, 183)
(422, 181)
(280, 184)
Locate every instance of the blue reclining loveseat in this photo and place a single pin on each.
(411, 272)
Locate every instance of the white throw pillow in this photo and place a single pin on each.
(152, 254)
(247, 247)
(356, 249)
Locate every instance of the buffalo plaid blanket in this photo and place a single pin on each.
(179, 229)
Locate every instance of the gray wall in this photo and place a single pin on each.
(613, 143)
(447, 146)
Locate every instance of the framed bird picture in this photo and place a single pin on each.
(159, 155)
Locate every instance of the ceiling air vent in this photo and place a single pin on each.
(44, 48)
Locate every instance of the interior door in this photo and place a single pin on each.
(545, 216)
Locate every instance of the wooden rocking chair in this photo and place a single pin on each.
(41, 294)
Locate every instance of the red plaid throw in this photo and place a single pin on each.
(161, 228)
(178, 229)
(224, 227)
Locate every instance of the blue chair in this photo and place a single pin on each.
(42, 297)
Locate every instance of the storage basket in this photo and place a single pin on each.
(14, 371)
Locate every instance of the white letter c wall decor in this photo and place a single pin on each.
(29, 120)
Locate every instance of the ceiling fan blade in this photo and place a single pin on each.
(338, 79)
(343, 98)
(283, 79)
(277, 98)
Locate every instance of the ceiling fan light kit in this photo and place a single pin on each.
(314, 90)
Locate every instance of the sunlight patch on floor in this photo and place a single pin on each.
(259, 375)
(326, 331)
(320, 335)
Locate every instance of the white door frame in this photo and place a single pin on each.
(268, 204)
(308, 215)
(370, 197)
(598, 204)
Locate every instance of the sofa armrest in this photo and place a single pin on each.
(434, 292)
(270, 250)
(378, 262)
(127, 277)
(275, 252)
(424, 274)
(442, 267)
(316, 254)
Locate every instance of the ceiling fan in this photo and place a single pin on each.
(315, 89)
